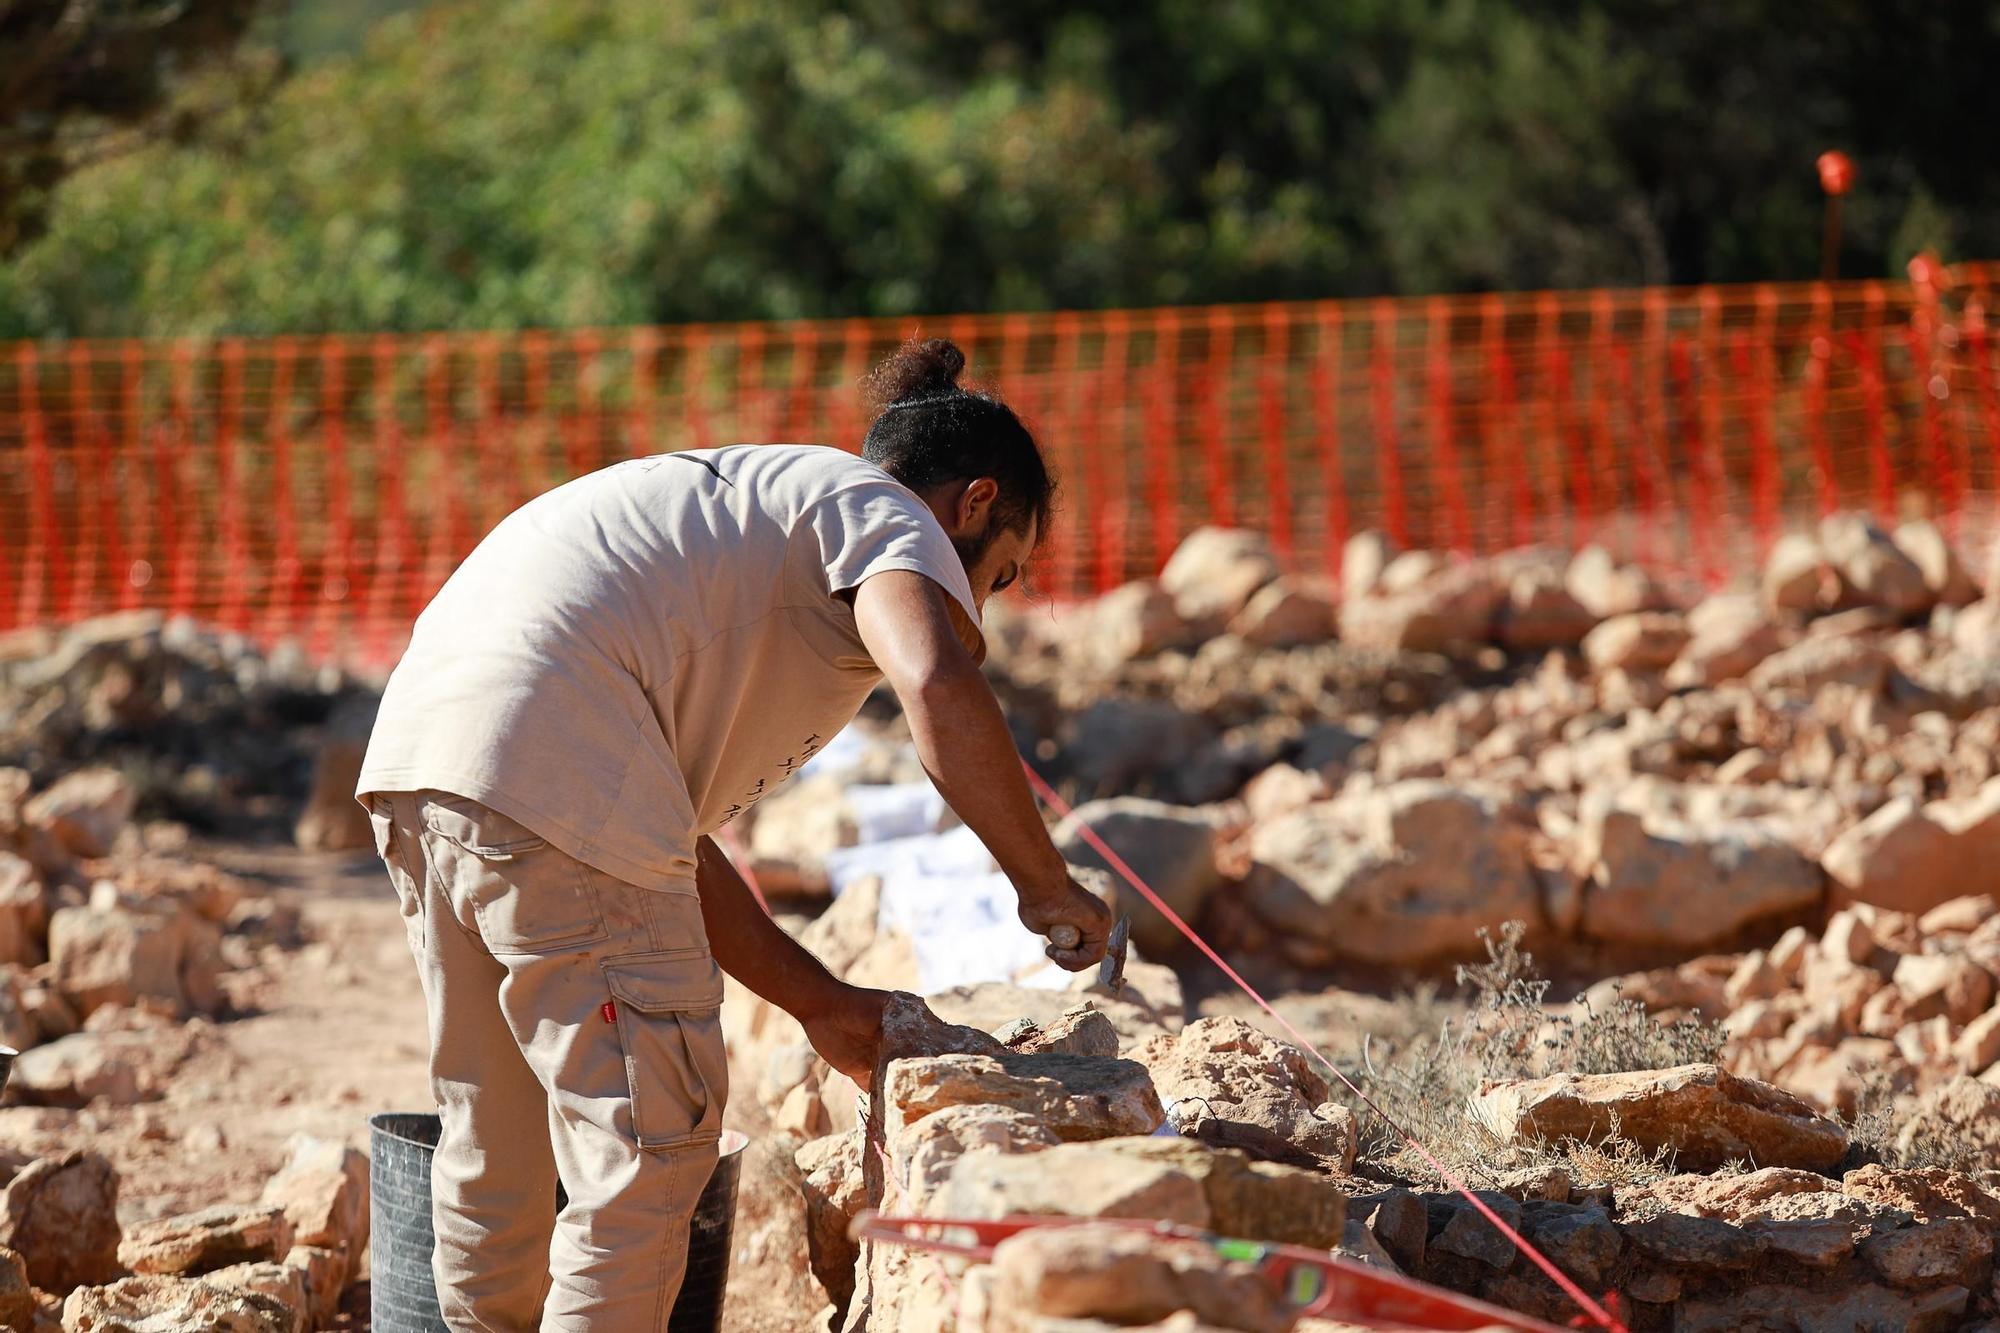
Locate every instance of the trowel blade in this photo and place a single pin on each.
(1111, 972)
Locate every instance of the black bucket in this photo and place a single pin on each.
(402, 1292)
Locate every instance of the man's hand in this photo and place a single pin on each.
(1071, 905)
(847, 1033)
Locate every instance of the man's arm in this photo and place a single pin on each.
(963, 741)
(843, 1022)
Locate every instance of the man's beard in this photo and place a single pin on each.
(972, 549)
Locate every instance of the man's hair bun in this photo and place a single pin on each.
(921, 368)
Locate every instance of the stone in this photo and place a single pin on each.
(1172, 848)
(1605, 588)
(800, 823)
(1646, 641)
(1071, 1180)
(1398, 1219)
(1848, 1306)
(17, 1298)
(1214, 572)
(1949, 984)
(1133, 621)
(1953, 1251)
(77, 1070)
(925, 1151)
(1849, 938)
(1405, 874)
(84, 811)
(1078, 1031)
(1927, 1194)
(118, 956)
(1467, 1233)
(323, 1273)
(1671, 881)
(1945, 575)
(281, 1282)
(24, 911)
(1872, 570)
(772, 1284)
(1796, 576)
(835, 1189)
(1251, 1200)
(1252, 1091)
(1728, 635)
(1911, 857)
(333, 821)
(1078, 1097)
(1363, 560)
(1705, 1115)
(1812, 664)
(201, 1242)
(1960, 916)
(1128, 1277)
(1685, 1241)
(1452, 610)
(1288, 612)
(1540, 613)
(1582, 1241)
(154, 1304)
(1117, 742)
(323, 1191)
(1960, 1115)
(60, 1214)
(1978, 1046)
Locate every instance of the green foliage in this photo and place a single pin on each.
(77, 75)
(520, 162)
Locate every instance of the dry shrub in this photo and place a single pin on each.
(1506, 1030)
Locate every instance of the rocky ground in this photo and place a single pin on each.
(1727, 1051)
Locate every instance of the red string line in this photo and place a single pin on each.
(1604, 1318)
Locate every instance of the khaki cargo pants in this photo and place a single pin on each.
(575, 1033)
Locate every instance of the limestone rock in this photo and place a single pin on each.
(1960, 1113)
(24, 911)
(201, 1242)
(1540, 613)
(323, 1192)
(323, 1273)
(154, 1304)
(120, 955)
(60, 1215)
(1863, 1305)
(772, 1283)
(1671, 881)
(925, 1151)
(1127, 1277)
(1729, 634)
(1078, 1031)
(84, 811)
(835, 1189)
(1811, 664)
(17, 1298)
(1913, 857)
(1072, 1180)
(1132, 621)
(1605, 588)
(1172, 848)
(1706, 1115)
(1251, 1091)
(1928, 1194)
(1214, 572)
(1642, 642)
(1077, 1097)
(1954, 1251)
(1405, 874)
(1945, 576)
(1453, 609)
(1363, 560)
(1950, 984)
(1796, 576)
(1873, 571)
(1249, 1199)
(281, 1282)
(80, 1069)
(1286, 613)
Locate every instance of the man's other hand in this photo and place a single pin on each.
(847, 1033)
(1071, 905)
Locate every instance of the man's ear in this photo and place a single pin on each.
(975, 503)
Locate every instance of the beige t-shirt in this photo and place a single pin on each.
(637, 657)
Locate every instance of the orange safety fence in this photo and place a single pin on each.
(323, 487)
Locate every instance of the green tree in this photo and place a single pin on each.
(78, 76)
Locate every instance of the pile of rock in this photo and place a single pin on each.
(278, 1266)
(208, 729)
(114, 948)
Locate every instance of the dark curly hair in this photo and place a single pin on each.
(928, 431)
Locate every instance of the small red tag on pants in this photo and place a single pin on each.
(610, 1011)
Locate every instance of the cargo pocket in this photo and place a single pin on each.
(525, 895)
(669, 1008)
